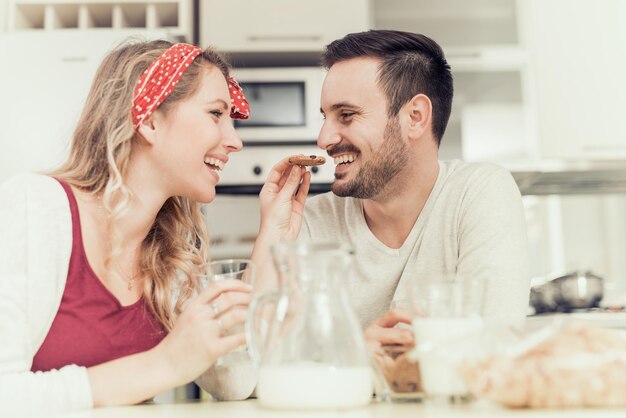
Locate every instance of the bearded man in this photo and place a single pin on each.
(386, 101)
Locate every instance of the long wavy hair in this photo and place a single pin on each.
(176, 248)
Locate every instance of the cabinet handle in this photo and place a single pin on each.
(295, 38)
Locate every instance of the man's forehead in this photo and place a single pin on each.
(352, 82)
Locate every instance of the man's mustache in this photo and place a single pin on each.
(342, 149)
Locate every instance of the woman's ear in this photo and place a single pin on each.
(419, 110)
(147, 129)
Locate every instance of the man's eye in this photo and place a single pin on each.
(346, 115)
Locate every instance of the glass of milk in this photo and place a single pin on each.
(447, 310)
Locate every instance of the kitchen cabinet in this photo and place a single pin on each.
(485, 46)
(579, 64)
(280, 25)
(175, 16)
(535, 80)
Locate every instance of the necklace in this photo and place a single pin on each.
(131, 283)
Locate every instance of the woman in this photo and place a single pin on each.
(98, 300)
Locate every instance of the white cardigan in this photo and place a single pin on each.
(35, 249)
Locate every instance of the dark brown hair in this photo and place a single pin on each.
(411, 64)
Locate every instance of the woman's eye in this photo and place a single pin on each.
(217, 113)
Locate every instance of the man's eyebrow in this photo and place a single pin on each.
(340, 105)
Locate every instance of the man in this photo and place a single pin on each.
(386, 101)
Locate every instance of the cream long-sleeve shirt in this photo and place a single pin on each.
(35, 249)
(472, 225)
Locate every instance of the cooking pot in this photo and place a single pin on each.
(577, 290)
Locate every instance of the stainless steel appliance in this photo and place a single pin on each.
(285, 104)
(576, 290)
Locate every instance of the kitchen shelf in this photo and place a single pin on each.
(34, 15)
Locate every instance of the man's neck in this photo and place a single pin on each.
(391, 218)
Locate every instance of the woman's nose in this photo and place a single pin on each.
(231, 139)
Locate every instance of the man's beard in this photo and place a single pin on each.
(390, 158)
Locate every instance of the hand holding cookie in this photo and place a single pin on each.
(306, 160)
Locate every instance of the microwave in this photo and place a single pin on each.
(284, 104)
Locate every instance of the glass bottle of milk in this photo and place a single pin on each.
(306, 335)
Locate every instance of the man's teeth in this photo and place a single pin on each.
(345, 158)
(217, 164)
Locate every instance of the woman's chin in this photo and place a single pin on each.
(203, 196)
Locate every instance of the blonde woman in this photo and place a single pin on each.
(98, 301)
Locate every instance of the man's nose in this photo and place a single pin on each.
(328, 136)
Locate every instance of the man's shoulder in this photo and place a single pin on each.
(460, 168)
(471, 175)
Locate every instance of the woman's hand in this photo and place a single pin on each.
(198, 339)
(282, 200)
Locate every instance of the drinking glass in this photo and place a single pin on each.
(447, 310)
(233, 269)
(397, 371)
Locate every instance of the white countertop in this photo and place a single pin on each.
(250, 409)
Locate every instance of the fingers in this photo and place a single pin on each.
(229, 343)
(220, 287)
(288, 189)
(382, 331)
(278, 171)
(227, 301)
(232, 317)
(393, 317)
(303, 190)
(385, 336)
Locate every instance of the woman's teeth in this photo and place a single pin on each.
(214, 163)
(345, 158)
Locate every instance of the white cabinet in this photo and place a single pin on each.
(279, 25)
(175, 16)
(546, 76)
(484, 44)
(579, 63)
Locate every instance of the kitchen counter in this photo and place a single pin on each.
(251, 409)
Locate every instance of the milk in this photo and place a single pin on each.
(314, 385)
(438, 374)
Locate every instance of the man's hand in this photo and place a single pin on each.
(383, 331)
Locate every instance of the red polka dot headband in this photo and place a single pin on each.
(161, 77)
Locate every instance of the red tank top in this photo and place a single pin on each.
(91, 326)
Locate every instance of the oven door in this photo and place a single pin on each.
(284, 104)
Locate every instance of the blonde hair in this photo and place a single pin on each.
(177, 245)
